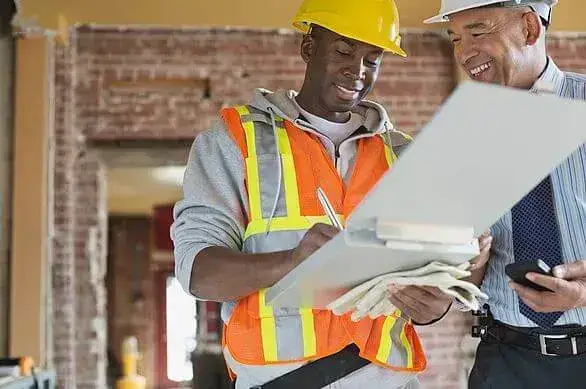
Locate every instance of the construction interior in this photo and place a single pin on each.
(99, 104)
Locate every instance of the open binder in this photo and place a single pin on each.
(485, 148)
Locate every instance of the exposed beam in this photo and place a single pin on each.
(6, 141)
(33, 107)
(148, 153)
(57, 14)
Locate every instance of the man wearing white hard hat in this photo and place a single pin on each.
(530, 338)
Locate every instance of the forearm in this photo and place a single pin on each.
(221, 274)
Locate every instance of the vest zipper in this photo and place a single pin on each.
(309, 129)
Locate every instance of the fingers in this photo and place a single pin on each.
(419, 303)
(410, 306)
(571, 271)
(417, 292)
(323, 230)
(546, 301)
(320, 234)
(538, 301)
(557, 285)
(429, 291)
(314, 238)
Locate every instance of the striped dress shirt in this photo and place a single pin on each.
(569, 187)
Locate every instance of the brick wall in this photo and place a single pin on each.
(63, 264)
(166, 85)
(412, 88)
(160, 84)
(79, 227)
(569, 51)
(90, 267)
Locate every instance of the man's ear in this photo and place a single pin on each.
(533, 28)
(308, 46)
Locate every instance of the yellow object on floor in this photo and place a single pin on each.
(130, 355)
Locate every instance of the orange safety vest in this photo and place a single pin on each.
(258, 334)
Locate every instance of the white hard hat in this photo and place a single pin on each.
(449, 7)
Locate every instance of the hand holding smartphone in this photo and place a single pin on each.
(518, 271)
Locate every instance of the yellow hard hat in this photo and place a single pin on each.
(370, 21)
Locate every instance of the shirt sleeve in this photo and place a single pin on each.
(213, 209)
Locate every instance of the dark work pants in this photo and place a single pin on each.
(504, 366)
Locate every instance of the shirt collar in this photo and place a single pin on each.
(550, 81)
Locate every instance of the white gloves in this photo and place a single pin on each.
(371, 298)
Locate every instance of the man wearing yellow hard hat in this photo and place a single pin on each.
(250, 212)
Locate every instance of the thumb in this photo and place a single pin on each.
(570, 271)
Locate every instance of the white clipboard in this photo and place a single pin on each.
(484, 149)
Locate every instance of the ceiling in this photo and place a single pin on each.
(135, 190)
(59, 14)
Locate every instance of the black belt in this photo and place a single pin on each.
(319, 373)
(572, 343)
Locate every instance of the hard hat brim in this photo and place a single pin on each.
(388, 46)
(442, 17)
(436, 19)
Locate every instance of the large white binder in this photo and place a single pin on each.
(486, 147)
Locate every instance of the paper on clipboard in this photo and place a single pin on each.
(485, 148)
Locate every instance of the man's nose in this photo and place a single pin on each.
(356, 70)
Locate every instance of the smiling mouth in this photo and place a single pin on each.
(348, 94)
(477, 71)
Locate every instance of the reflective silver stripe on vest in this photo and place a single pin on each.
(399, 356)
(268, 162)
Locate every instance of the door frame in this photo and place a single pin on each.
(160, 286)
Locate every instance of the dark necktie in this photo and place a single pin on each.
(536, 235)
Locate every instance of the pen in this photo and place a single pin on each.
(328, 209)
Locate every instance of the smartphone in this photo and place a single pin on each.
(518, 271)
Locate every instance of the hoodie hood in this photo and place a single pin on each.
(376, 120)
